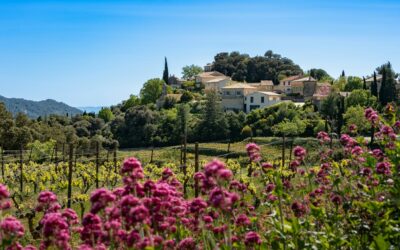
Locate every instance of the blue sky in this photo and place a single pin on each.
(97, 53)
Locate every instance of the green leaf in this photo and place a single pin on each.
(380, 243)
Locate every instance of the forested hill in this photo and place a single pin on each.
(34, 109)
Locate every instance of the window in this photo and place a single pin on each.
(238, 93)
(227, 93)
(262, 99)
(251, 99)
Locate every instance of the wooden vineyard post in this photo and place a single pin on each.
(56, 157)
(283, 151)
(21, 170)
(115, 160)
(152, 155)
(2, 164)
(97, 164)
(63, 152)
(196, 168)
(71, 157)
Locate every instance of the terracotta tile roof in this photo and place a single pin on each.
(239, 86)
(291, 78)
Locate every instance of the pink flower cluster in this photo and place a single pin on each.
(372, 116)
(253, 151)
(323, 137)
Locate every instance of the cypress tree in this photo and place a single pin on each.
(165, 73)
(390, 84)
(384, 91)
(343, 74)
(364, 83)
(374, 87)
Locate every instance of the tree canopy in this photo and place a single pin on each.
(190, 71)
(242, 67)
(151, 90)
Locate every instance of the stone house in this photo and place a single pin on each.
(233, 96)
(212, 80)
(260, 99)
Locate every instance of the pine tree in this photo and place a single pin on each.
(343, 74)
(165, 73)
(374, 87)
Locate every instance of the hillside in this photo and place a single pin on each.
(35, 109)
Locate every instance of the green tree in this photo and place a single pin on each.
(340, 84)
(329, 110)
(286, 129)
(131, 102)
(374, 87)
(242, 67)
(190, 71)
(151, 91)
(319, 74)
(187, 96)
(355, 115)
(106, 114)
(213, 124)
(165, 73)
(353, 82)
(387, 92)
(361, 98)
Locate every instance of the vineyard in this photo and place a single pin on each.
(309, 194)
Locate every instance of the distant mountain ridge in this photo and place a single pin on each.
(90, 109)
(34, 109)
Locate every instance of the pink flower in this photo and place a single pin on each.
(47, 202)
(347, 141)
(253, 151)
(299, 152)
(167, 173)
(383, 168)
(5, 203)
(55, 231)
(187, 244)
(299, 209)
(357, 150)
(224, 174)
(272, 198)
(323, 137)
(11, 228)
(197, 205)
(242, 220)
(353, 128)
(139, 214)
(336, 199)
(252, 238)
(132, 171)
(266, 165)
(70, 216)
(92, 229)
(100, 198)
(270, 187)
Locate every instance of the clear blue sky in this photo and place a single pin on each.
(93, 53)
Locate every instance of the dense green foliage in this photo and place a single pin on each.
(242, 67)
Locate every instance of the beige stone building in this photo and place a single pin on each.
(212, 80)
(264, 85)
(305, 87)
(285, 85)
(233, 96)
(260, 99)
